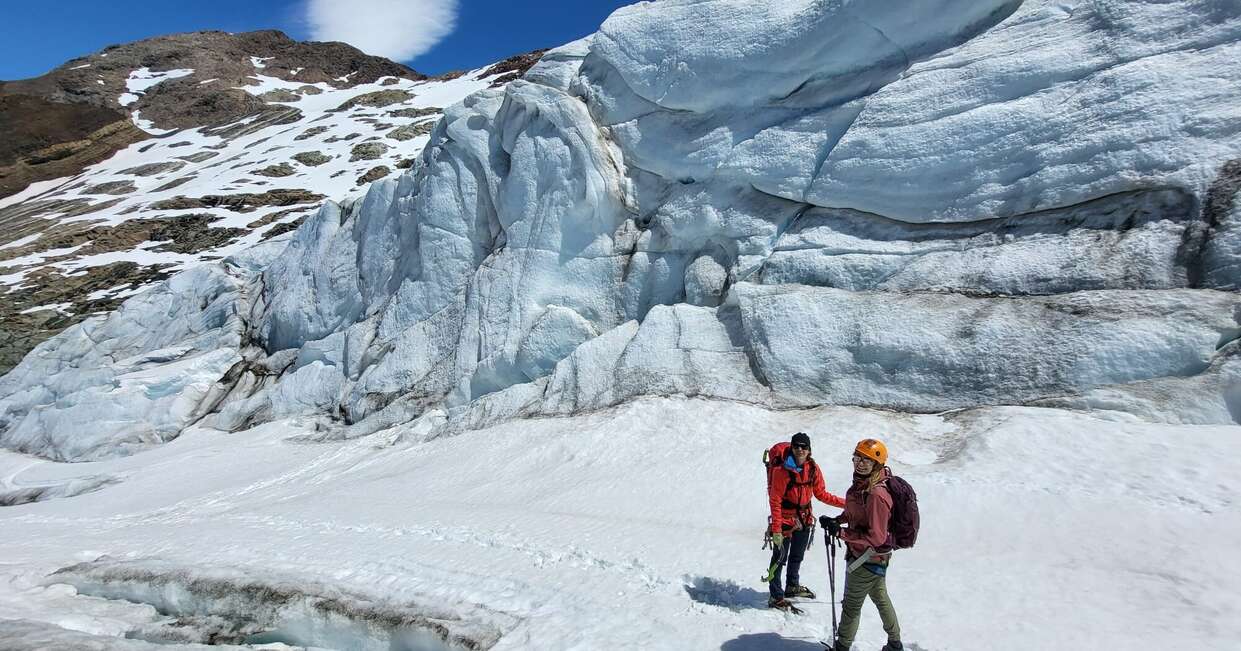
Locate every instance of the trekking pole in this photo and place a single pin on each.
(830, 543)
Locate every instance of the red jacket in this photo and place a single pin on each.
(866, 514)
(789, 493)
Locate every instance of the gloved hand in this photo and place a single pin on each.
(831, 524)
(777, 540)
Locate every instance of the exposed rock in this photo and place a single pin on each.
(279, 170)
(310, 133)
(377, 99)
(199, 157)
(1220, 266)
(30, 123)
(280, 95)
(374, 174)
(151, 169)
(411, 131)
(266, 116)
(91, 208)
(192, 233)
(111, 187)
(367, 151)
(58, 151)
(186, 233)
(174, 183)
(309, 90)
(243, 202)
(513, 67)
(406, 163)
(275, 217)
(281, 229)
(183, 104)
(19, 333)
(26, 164)
(416, 112)
(311, 158)
(342, 138)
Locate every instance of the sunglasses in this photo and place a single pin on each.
(799, 446)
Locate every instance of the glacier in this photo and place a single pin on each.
(922, 208)
(554, 533)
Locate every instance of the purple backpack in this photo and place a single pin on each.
(903, 523)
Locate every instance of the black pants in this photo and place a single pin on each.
(795, 542)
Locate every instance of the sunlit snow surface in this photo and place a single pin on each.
(640, 527)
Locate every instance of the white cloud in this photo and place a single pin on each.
(396, 29)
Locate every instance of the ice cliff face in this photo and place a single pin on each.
(921, 207)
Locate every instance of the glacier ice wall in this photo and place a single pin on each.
(921, 207)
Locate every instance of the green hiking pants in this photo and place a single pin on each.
(860, 584)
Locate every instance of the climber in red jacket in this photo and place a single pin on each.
(793, 478)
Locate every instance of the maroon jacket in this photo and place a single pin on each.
(866, 514)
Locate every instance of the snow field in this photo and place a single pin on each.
(640, 527)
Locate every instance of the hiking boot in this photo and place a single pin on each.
(779, 604)
(798, 591)
(893, 646)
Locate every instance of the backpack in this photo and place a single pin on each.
(904, 521)
(774, 458)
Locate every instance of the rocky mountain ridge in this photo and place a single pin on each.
(91, 89)
(203, 142)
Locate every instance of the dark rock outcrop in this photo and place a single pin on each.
(241, 202)
(374, 174)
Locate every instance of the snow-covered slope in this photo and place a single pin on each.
(78, 245)
(921, 209)
(637, 527)
(169, 176)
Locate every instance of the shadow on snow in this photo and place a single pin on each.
(727, 594)
(769, 642)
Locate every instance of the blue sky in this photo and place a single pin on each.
(37, 36)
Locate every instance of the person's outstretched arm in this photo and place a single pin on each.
(820, 492)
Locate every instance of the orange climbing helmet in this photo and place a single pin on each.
(873, 449)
